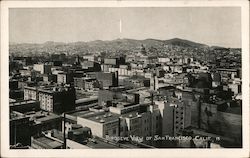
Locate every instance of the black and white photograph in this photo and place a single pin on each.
(125, 77)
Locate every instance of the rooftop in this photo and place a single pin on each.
(82, 100)
(101, 145)
(50, 89)
(49, 143)
(101, 117)
(41, 116)
(14, 115)
(80, 113)
(122, 104)
(131, 114)
(12, 103)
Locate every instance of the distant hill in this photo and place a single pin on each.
(184, 43)
(99, 45)
(127, 44)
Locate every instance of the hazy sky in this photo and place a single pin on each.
(213, 26)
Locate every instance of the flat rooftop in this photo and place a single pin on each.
(49, 143)
(101, 145)
(83, 100)
(14, 115)
(49, 89)
(42, 116)
(22, 102)
(81, 113)
(122, 104)
(100, 117)
(131, 114)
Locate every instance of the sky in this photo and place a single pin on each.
(220, 26)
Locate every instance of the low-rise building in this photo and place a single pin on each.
(101, 123)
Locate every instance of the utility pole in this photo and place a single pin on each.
(64, 134)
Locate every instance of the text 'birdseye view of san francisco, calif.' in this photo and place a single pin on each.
(127, 77)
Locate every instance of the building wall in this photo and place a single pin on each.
(121, 71)
(167, 117)
(25, 106)
(111, 128)
(20, 131)
(96, 128)
(235, 88)
(79, 83)
(175, 115)
(64, 100)
(163, 60)
(110, 61)
(146, 124)
(30, 94)
(187, 113)
(195, 114)
(107, 79)
(39, 67)
(221, 123)
(104, 96)
(156, 122)
(231, 125)
(42, 68)
(61, 78)
(46, 101)
(134, 126)
(53, 101)
(13, 84)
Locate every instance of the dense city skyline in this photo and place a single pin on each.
(62, 25)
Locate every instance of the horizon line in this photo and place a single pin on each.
(109, 40)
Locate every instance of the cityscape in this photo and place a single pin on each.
(124, 93)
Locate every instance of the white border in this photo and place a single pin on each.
(6, 152)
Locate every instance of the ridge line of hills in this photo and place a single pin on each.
(174, 41)
(117, 44)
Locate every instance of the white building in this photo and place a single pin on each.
(42, 68)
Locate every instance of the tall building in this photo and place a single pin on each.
(53, 99)
(176, 115)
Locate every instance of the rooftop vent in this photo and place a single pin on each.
(102, 121)
(96, 117)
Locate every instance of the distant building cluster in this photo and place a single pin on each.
(135, 100)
